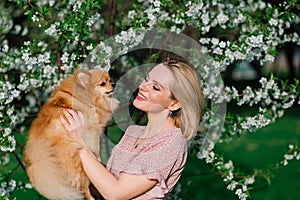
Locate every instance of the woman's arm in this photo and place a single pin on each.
(126, 186)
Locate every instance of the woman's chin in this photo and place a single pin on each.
(138, 104)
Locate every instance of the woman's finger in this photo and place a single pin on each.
(81, 117)
(68, 119)
(68, 115)
(65, 122)
(71, 120)
(75, 119)
(75, 115)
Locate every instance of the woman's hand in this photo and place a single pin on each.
(73, 121)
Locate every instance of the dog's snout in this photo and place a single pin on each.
(112, 88)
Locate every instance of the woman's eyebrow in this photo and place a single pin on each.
(155, 81)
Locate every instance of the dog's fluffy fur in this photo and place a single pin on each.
(53, 165)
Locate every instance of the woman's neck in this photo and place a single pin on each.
(158, 121)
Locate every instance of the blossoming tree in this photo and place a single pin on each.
(41, 42)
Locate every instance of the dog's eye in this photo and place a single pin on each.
(102, 83)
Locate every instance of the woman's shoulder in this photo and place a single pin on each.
(174, 136)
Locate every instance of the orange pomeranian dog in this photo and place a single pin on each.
(53, 164)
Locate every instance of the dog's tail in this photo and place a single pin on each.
(45, 175)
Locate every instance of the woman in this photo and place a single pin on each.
(148, 160)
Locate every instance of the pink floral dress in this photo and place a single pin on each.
(161, 157)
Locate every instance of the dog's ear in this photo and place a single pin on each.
(83, 79)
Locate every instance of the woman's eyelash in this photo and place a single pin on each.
(156, 88)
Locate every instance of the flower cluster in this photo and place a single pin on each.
(10, 186)
(292, 154)
(227, 171)
(253, 38)
(105, 52)
(234, 178)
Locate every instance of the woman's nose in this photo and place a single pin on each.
(144, 86)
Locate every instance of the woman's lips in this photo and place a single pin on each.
(140, 97)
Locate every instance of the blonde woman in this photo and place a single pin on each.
(148, 160)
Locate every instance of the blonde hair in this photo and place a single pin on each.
(187, 91)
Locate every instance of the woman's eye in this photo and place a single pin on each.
(156, 88)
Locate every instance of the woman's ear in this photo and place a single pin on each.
(175, 105)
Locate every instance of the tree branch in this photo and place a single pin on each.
(111, 16)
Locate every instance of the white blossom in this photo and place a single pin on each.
(288, 157)
(273, 22)
(229, 165)
(222, 44)
(229, 176)
(218, 51)
(291, 146)
(194, 9)
(7, 131)
(15, 93)
(25, 56)
(210, 157)
(215, 41)
(131, 14)
(89, 47)
(4, 160)
(27, 43)
(35, 18)
(202, 154)
(156, 3)
(205, 19)
(249, 180)
(255, 41)
(204, 40)
(23, 86)
(232, 185)
(239, 192)
(65, 57)
(269, 58)
(73, 57)
(51, 3)
(289, 103)
(28, 186)
(52, 31)
(93, 19)
(222, 18)
(66, 67)
(48, 71)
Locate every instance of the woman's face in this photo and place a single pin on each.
(154, 94)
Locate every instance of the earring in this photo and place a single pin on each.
(170, 113)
